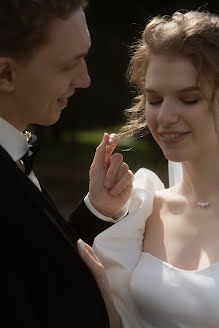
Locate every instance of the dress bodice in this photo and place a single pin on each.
(167, 297)
(147, 291)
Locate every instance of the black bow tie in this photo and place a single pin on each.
(29, 157)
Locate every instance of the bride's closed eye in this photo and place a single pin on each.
(190, 102)
(154, 102)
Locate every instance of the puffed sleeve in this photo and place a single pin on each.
(119, 247)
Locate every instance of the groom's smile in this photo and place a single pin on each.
(43, 84)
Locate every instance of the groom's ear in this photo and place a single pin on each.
(7, 74)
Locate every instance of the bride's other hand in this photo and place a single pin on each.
(88, 256)
(110, 178)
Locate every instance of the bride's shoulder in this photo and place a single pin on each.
(166, 196)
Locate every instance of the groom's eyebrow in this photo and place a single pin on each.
(75, 58)
(80, 55)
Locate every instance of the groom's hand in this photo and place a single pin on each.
(110, 178)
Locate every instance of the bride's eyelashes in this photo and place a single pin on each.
(152, 102)
(191, 102)
(158, 102)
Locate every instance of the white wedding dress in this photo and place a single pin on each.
(147, 291)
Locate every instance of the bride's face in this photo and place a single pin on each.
(177, 112)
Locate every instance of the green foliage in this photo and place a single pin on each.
(77, 149)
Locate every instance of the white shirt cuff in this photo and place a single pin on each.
(119, 216)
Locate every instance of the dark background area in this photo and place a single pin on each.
(64, 161)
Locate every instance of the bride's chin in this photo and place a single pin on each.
(174, 158)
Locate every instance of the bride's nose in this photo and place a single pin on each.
(168, 113)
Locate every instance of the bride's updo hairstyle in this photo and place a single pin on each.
(194, 35)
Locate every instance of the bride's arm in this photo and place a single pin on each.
(87, 254)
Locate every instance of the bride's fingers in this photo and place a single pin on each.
(89, 257)
(90, 250)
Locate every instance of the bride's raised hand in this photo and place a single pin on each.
(110, 178)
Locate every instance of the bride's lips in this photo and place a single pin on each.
(172, 137)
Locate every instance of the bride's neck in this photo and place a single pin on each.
(201, 179)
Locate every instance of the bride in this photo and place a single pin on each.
(162, 258)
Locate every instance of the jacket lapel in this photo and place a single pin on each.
(41, 200)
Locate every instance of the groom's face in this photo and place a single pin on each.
(45, 83)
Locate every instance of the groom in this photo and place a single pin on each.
(43, 281)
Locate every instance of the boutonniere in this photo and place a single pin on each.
(27, 134)
(32, 151)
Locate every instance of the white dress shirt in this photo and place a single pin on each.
(15, 143)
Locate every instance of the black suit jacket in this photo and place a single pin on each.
(43, 281)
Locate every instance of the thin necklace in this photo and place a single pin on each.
(203, 204)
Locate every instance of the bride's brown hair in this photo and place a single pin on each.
(193, 34)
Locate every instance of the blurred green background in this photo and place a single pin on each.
(67, 148)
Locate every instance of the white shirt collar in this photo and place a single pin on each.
(12, 140)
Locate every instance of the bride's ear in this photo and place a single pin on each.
(7, 74)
